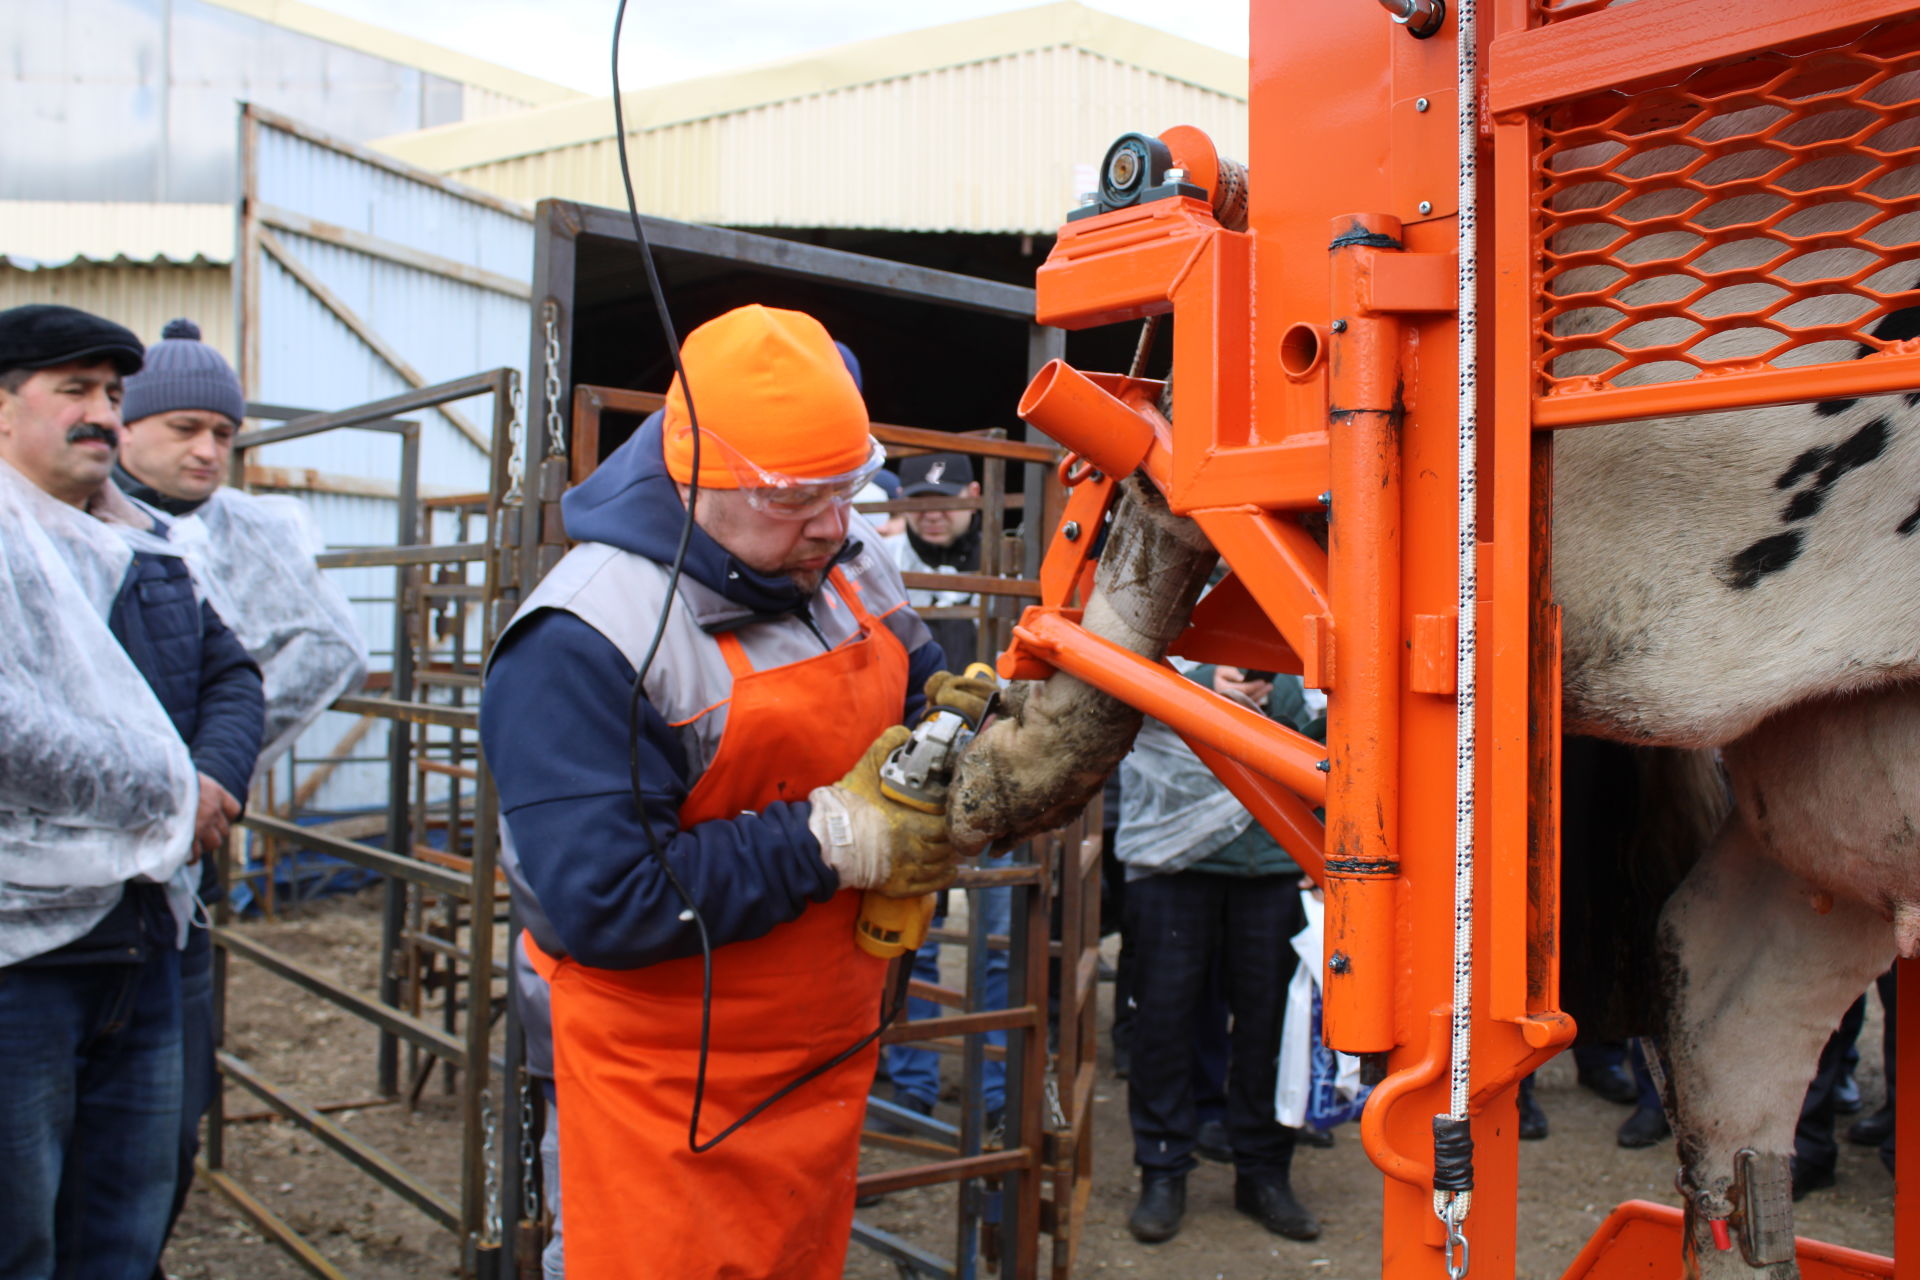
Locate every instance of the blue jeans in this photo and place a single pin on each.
(90, 1129)
(916, 1071)
(198, 1078)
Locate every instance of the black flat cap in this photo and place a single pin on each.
(40, 335)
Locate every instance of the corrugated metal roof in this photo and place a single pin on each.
(515, 86)
(1066, 23)
(55, 233)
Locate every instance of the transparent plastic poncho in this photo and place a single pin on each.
(1173, 810)
(253, 556)
(96, 786)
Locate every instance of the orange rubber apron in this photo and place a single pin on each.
(776, 1198)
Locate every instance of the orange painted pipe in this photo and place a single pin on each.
(1412, 1170)
(1069, 407)
(1272, 750)
(1363, 582)
(1564, 406)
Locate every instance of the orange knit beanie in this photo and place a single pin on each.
(770, 388)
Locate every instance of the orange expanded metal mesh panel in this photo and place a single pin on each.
(1760, 214)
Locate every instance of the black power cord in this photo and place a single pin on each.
(692, 911)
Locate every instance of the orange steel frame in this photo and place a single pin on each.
(1314, 354)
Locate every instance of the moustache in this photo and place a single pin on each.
(93, 431)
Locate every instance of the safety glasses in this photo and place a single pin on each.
(789, 497)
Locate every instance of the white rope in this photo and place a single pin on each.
(1452, 1207)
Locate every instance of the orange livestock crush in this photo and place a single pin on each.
(1317, 371)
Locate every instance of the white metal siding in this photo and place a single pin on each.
(987, 147)
(309, 357)
(141, 296)
(443, 328)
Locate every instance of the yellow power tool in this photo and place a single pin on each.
(918, 774)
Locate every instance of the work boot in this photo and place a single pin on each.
(1810, 1177)
(1308, 1136)
(1871, 1131)
(1163, 1202)
(1646, 1126)
(1213, 1143)
(1533, 1121)
(1268, 1199)
(1611, 1082)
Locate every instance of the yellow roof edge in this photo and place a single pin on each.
(1064, 22)
(380, 42)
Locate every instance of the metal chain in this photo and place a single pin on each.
(529, 1161)
(490, 1222)
(516, 434)
(1457, 1248)
(556, 426)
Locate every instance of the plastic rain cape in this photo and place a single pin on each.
(253, 556)
(96, 786)
(1173, 811)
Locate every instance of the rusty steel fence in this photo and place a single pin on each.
(443, 902)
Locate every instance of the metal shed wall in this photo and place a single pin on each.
(1003, 145)
(338, 336)
(140, 295)
(360, 278)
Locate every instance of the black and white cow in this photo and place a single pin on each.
(1750, 582)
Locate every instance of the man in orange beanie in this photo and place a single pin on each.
(743, 772)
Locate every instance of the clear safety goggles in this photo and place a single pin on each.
(789, 497)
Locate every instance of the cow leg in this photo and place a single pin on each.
(1758, 979)
(1055, 740)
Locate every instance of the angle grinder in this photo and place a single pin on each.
(918, 774)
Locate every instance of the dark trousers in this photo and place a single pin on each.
(1181, 926)
(199, 1078)
(1813, 1143)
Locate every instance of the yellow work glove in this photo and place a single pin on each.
(876, 843)
(968, 694)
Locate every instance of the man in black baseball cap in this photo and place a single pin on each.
(61, 373)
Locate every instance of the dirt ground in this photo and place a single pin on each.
(1569, 1182)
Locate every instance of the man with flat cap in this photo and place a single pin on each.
(133, 718)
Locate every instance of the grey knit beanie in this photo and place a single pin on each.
(183, 372)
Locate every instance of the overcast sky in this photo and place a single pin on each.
(666, 40)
